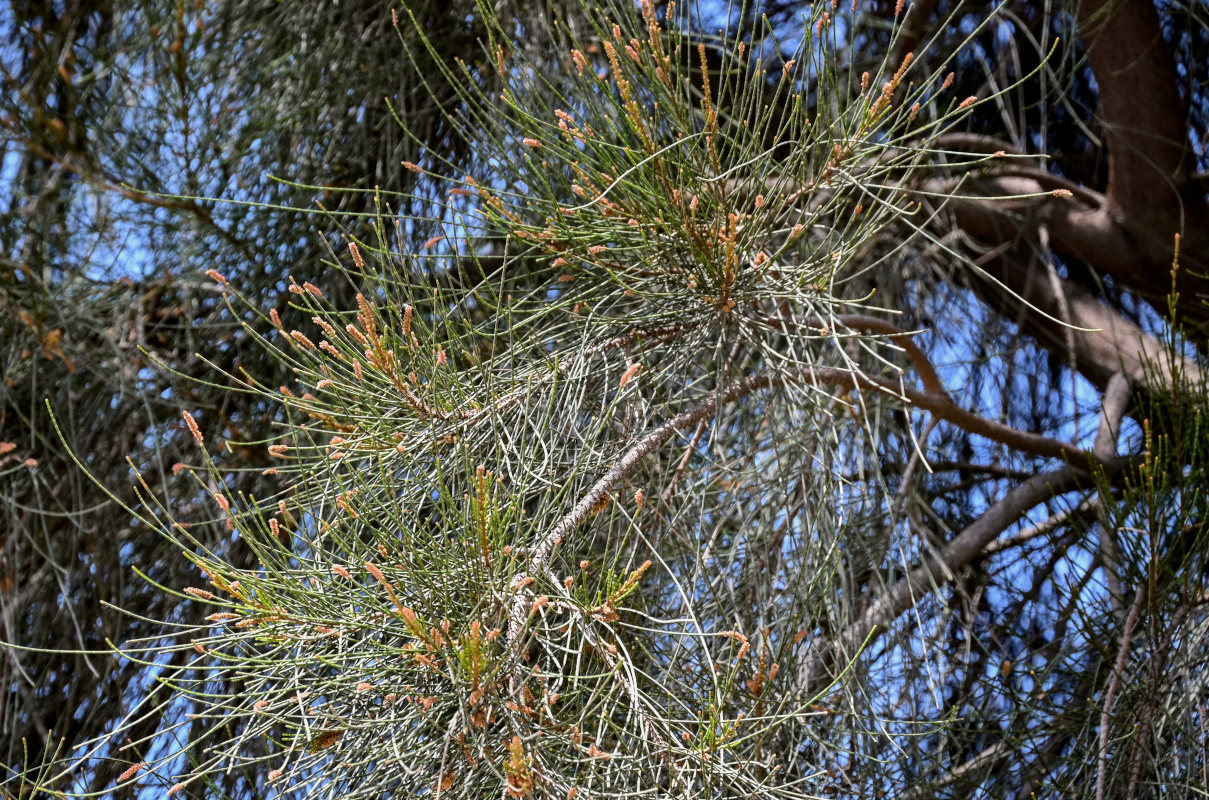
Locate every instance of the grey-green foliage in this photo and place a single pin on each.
(117, 121)
(581, 525)
(616, 476)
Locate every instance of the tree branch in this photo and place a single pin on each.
(1108, 343)
(1151, 195)
(935, 570)
(1140, 105)
(1116, 401)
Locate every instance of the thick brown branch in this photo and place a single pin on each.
(1084, 231)
(1146, 122)
(945, 408)
(1151, 196)
(916, 26)
(1104, 342)
(1134, 245)
(1110, 343)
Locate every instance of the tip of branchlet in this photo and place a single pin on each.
(131, 771)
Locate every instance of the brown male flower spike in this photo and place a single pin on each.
(193, 427)
(629, 374)
(131, 771)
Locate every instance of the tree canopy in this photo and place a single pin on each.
(781, 400)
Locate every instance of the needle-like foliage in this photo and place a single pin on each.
(621, 484)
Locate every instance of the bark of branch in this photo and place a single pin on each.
(1146, 122)
(916, 25)
(973, 541)
(1108, 344)
(945, 408)
(1129, 234)
(1116, 401)
(1091, 228)
(1150, 194)
(937, 569)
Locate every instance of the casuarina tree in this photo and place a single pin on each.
(755, 404)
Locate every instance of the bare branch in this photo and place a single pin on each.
(1108, 342)
(1116, 401)
(936, 570)
(1140, 104)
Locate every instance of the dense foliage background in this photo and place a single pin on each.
(902, 404)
